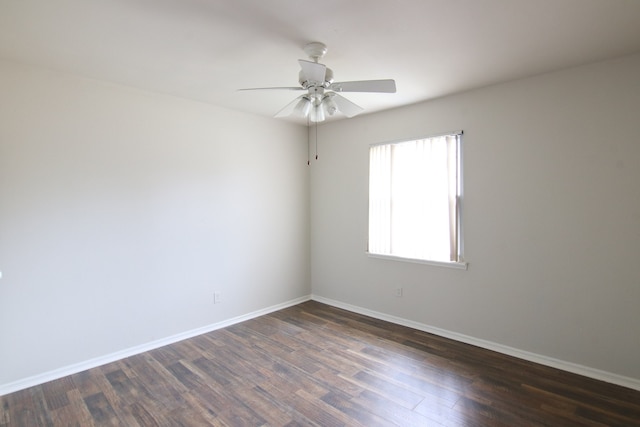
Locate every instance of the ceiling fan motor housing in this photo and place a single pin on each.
(305, 83)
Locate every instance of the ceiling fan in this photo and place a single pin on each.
(322, 93)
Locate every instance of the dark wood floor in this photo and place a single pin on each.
(313, 364)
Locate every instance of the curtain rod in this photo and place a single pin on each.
(398, 141)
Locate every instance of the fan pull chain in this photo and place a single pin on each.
(308, 144)
(316, 140)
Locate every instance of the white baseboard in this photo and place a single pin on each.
(103, 360)
(586, 371)
(532, 357)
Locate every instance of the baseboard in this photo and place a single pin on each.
(525, 355)
(103, 360)
(586, 371)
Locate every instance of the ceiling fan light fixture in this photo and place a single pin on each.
(303, 107)
(317, 114)
(330, 105)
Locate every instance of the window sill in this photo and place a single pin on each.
(454, 265)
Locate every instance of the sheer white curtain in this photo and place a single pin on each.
(413, 196)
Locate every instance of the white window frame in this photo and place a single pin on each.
(459, 262)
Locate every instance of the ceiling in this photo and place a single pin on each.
(206, 49)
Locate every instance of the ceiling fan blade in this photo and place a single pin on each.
(313, 71)
(273, 88)
(384, 86)
(347, 107)
(288, 109)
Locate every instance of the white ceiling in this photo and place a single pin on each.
(206, 49)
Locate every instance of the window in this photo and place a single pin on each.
(414, 200)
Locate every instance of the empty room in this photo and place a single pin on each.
(292, 213)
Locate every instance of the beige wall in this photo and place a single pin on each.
(121, 212)
(551, 217)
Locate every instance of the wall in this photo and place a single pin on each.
(122, 211)
(551, 217)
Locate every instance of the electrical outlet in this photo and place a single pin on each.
(398, 292)
(217, 299)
